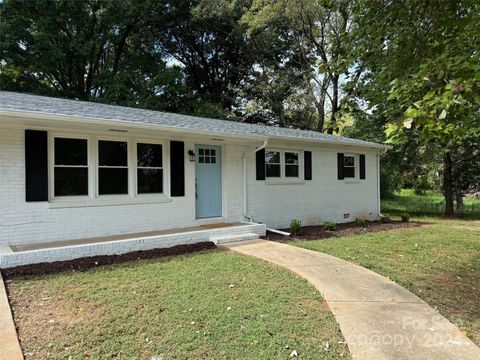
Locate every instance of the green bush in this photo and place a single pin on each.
(385, 219)
(329, 225)
(296, 227)
(360, 222)
(405, 217)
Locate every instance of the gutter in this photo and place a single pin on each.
(378, 182)
(245, 187)
(180, 130)
(122, 124)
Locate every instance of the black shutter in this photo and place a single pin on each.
(362, 166)
(307, 164)
(260, 157)
(177, 168)
(36, 165)
(340, 166)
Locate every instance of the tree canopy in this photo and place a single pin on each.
(404, 72)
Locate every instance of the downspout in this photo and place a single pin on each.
(378, 183)
(245, 178)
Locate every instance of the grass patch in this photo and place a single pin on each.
(439, 262)
(175, 307)
(430, 204)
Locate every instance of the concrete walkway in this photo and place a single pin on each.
(378, 318)
(9, 346)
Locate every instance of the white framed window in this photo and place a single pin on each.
(273, 164)
(292, 164)
(101, 170)
(113, 171)
(349, 166)
(150, 168)
(283, 165)
(70, 166)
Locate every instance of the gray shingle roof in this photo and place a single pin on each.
(82, 109)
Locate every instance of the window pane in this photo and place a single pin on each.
(349, 172)
(348, 161)
(213, 160)
(149, 155)
(150, 181)
(112, 181)
(291, 170)
(70, 151)
(272, 157)
(71, 181)
(272, 170)
(112, 153)
(291, 158)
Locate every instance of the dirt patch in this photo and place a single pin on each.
(94, 261)
(347, 229)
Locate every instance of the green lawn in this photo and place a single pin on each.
(439, 262)
(430, 204)
(177, 307)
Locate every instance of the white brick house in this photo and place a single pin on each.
(78, 170)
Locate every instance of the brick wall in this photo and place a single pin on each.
(323, 198)
(320, 199)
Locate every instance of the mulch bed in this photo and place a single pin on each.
(347, 229)
(94, 261)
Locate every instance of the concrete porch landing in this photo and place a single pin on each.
(378, 318)
(26, 254)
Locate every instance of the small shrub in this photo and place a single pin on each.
(360, 222)
(329, 225)
(296, 227)
(385, 219)
(405, 217)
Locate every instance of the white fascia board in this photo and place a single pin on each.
(122, 124)
(140, 125)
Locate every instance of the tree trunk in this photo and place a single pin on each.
(321, 108)
(447, 184)
(460, 205)
(333, 119)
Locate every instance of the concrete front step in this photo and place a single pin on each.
(223, 239)
(11, 258)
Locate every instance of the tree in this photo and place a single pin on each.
(211, 45)
(428, 54)
(320, 34)
(89, 50)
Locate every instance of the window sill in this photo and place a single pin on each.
(351, 181)
(108, 200)
(284, 181)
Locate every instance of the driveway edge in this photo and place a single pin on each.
(9, 343)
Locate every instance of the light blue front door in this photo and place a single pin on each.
(208, 181)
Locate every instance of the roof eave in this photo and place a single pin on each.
(135, 124)
(121, 123)
(370, 145)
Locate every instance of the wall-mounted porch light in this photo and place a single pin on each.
(191, 154)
